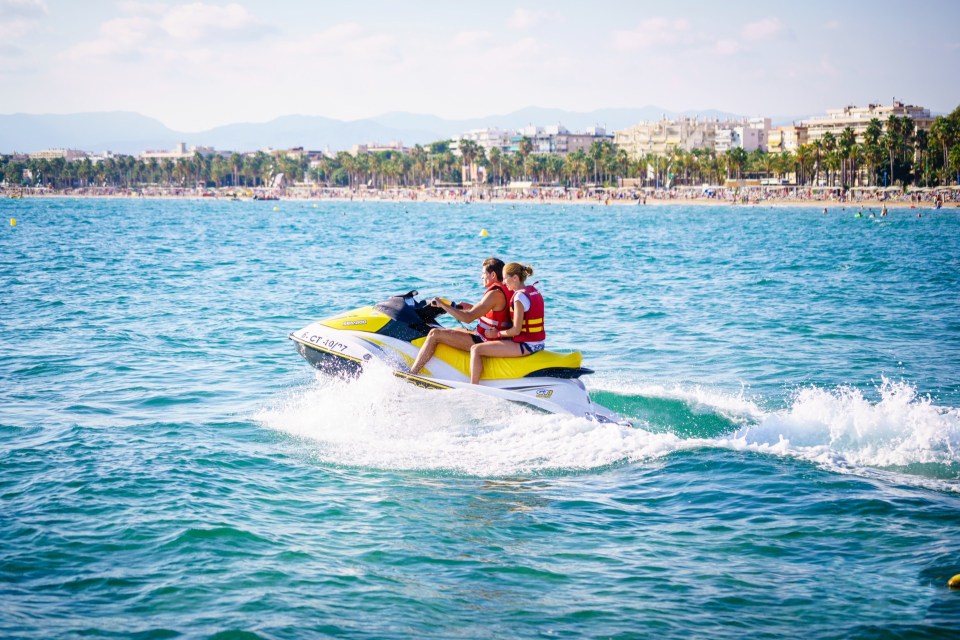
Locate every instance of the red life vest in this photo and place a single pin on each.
(499, 320)
(532, 329)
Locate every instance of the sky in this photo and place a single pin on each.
(196, 65)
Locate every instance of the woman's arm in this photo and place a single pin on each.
(517, 322)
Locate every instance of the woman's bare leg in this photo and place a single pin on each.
(492, 349)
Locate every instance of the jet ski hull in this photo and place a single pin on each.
(345, 344)
(329, 362)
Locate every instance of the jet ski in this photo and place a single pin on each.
(392, 331)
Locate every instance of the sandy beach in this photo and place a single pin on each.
(866, 199)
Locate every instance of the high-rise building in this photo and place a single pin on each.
(553, 139)
(857, 118)
(660, 137)
(786, 138)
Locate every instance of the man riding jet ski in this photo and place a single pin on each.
(392, 332)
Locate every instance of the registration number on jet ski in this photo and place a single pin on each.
(326, 342)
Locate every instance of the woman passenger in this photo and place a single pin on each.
(527, 334)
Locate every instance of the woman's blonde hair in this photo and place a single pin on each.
(517, 269)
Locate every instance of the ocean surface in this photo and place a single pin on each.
(171, 468)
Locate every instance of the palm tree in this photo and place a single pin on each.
(524, 148)
(737, 159)
(818, 156)
(469, 151)
(166, 171)
(555, 165)
(892, 140)
(922, 141)
(848, 140)
(419, 165)
(944, 132)
(576, 166)
(495, 157)
(872, 151)
(85, 172)
(235, 163)
(621, 162)
(829, 154)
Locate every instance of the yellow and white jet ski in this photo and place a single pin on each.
(392, 332)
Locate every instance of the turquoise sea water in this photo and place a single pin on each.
(170, 467)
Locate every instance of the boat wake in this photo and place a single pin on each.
(379, 421)
(844, 430)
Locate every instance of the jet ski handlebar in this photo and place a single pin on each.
(425, 312)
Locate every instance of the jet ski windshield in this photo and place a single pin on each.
(407, 310)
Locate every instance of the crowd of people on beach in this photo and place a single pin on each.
(935, 197)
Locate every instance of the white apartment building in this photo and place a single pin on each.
(67, 154)
(553, 139)
(492, 138)
(787, 138)
(857, 118)
(376, 147)
(180, 151)
(749, 135)
(658, 138)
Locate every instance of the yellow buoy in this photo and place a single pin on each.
(276, 208)
(483, 233)
(13, 222)
(314, 206)
(954, 582)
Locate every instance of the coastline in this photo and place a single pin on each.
(948, 198)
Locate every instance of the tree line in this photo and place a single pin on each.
(890, 153)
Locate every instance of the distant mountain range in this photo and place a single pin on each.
(132, 133)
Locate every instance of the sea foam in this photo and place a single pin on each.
(842, 426)
(379, 421)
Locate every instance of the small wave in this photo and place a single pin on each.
(219, 537)
(682, 413)
(379, 421)
(843, 429)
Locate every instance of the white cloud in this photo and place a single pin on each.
(20, 17)
(348, 41)
(23, 9)
(653, 33)
(200, 21)
(511, 54)
(763, 29)
(162, 32)
(118, 37)
(827, 67)
(524, 19)
(142, 8)
(471, 38)
(727, 47)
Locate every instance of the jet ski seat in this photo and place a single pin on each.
(546, 364)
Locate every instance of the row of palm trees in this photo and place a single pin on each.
(893, 152)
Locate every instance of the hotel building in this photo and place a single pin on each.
(659, 138)
(67, 154)
(179, 152)
(749, 135)
(857, 118)
(786, 138)
(553, 139)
